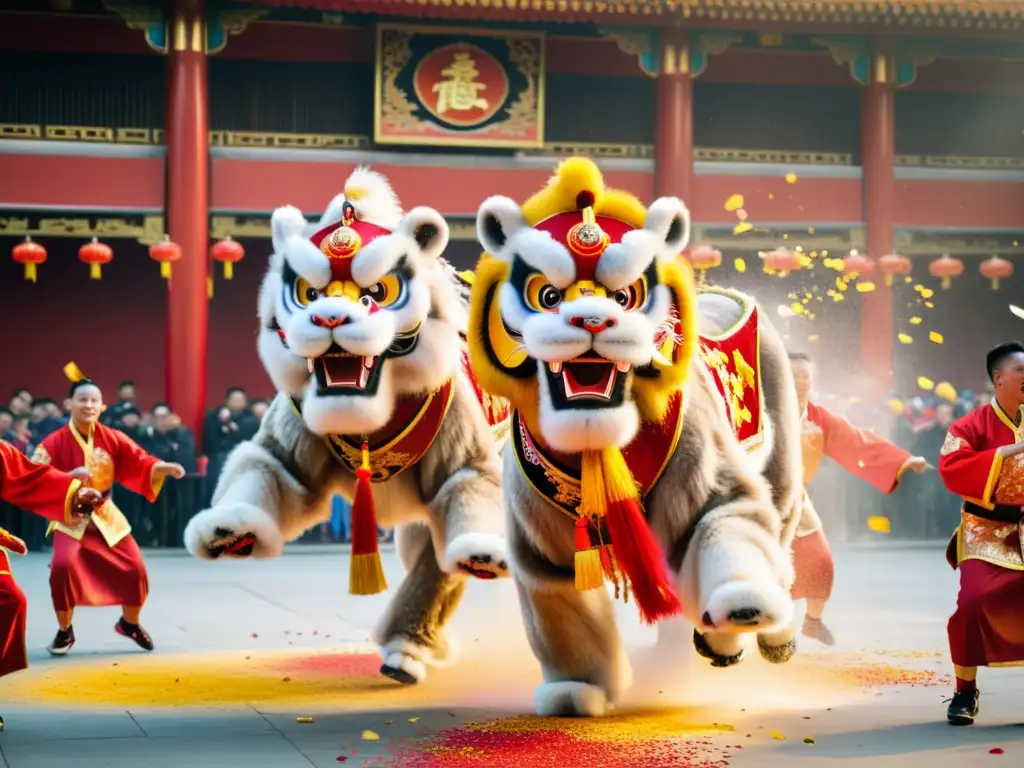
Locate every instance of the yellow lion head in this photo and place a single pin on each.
(582, 312)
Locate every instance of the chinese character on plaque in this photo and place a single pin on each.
(459, 87)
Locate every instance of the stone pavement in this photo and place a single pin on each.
(245, 650)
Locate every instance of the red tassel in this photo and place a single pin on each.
(366, 575)
(639, 556)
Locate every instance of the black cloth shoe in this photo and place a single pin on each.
(963, 708)
(62, 642)
(134, 632)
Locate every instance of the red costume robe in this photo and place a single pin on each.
(987, 628)
(48, 493)
(97, 562)
(861, 453)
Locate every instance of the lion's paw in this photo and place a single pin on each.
(233, 530)
(477, 554)
(747, 606)
(722, 650)
(403, 668)
(777, 647)
(570, 699)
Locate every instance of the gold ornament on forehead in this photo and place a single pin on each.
(587, 239)
(343, 243)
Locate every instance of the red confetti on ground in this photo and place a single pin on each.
(336, 665)
(341, 758)
(995, 751)
(477, 748)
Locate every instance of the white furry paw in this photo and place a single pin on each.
(777, 647)
(478, 554)
(569, 699)
(403, 669)
(747, 606)
(721, 649)
(233, 530)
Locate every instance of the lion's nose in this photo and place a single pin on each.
(328, 321)
(593, 324)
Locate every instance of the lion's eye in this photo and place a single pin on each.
(305, 294)
(542, 295)
(386, 292)
(632, 296)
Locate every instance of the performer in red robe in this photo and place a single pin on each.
(858, 451)
(982, 460)
(96, 561)
(56, 496)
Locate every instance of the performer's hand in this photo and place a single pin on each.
(1012, 450)
(164, 469)
(918, 464)
(85, 501)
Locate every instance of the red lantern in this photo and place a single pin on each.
(228, 252)
(166, 252)
(995, 269)
(30, 254)
(893, 264)
(95, 254)
(946, 268)
(856, 264)
(782, 260)
(703, 258)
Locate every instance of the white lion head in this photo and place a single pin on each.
(359, 308)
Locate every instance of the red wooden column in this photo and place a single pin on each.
(673, 128)
(879, 189)
(187, 212)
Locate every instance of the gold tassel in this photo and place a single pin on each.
(589, 573)
(95, 273)
(366, 573)
(165, 270)
(592, 490)
(229, 270)
(30, 272)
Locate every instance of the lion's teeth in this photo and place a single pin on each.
(622, 367)
(309, 364)
(555, 368)
(368, 363)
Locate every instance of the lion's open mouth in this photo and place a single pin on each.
(341, 373)
(587, 381)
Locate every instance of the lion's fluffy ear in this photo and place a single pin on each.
(428, 228)
(288, 228)
(286, 223)
(669, 219)
(497, 221)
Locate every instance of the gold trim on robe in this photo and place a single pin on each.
(998, 543)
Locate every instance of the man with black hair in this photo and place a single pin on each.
(224, 428)
(982, 460)
(114, 415)
(861, 453)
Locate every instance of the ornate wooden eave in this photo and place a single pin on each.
(939, 14)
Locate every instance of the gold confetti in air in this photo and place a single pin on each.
(810, 230)
(927, 293)
(905, 339)
(929, 305)
(935, 338)
(370, 736)
(740, 264)
(879, 524)
(1017, 311)
(896, 406)
(915, 321)
(734, 203)
(743, 226)
(791, 178)
(946, 391)
(925, 383)
(771, 196)
(865, 287)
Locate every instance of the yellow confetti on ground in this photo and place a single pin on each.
(778, 736)
(915, 321)
(935, 337)
(740, 265)
(370, 736)
(303, 719)
(743, 226)
(809, 740)
(791, 178)
(734, 203)
(414, 719)
(810, 230)
(879, 524)
(925, 383)
(905, 339)
(865, 287)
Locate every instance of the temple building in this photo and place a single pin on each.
(885, 127)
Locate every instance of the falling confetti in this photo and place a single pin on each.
(927, 293)
(925, 383)
(865, 287)
(791, 178)
(741, 265)
(743, 226)
(915, 321)
(929, 305)
(946, 391)
(734, 203)
(934, 337)
(879, 524)
(741, 215)
(370, 736)
(905, 339)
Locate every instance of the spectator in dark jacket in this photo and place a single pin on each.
(42, 421)
(114, 415)
(169, 440)
(224, 428)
